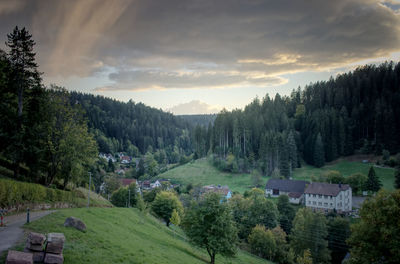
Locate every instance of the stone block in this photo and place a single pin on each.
(53, 258)
(17, 257)
(76, 223)
(34, 247)
(55, 243)
(38, 256)
(36, 238)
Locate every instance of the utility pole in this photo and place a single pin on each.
(88, 195)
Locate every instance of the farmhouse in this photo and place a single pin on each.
(224, 190)
(326, 197)
(293, 189)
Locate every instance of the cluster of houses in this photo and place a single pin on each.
(124, 159)
(148, 185)
(318, 196)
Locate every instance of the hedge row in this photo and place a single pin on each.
(14, 193)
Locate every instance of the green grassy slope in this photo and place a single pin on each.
(203, 173)
(122, 235)
(346, 168)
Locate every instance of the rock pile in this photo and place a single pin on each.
(37, 251)
(35, 245)
(54, 248)
(76, 223)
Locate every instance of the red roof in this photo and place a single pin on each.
(127, 182)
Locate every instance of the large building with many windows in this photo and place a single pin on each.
(326, 197)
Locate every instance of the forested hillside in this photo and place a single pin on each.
(356, 112)
(201, 120)
(131, 126)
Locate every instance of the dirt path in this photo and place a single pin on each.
(12, 232)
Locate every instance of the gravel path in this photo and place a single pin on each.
(12, 232)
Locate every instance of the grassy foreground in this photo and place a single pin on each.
(122, 235)
(203, 173)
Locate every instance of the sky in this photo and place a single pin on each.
(199, 56)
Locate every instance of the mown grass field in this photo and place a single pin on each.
(203, 173)
(125, 235)
(346, 168)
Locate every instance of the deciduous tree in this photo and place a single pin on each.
(209, 224)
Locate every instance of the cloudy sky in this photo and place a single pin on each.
(202, 55)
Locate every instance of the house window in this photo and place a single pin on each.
(314, 195)
(275, 192)
(309, 202)
(320, 196)
(326, 204)
(320, 203)
(314, 203)
(326, 196)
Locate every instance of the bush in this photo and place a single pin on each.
(17, 193)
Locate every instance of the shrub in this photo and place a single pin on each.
(15, 193)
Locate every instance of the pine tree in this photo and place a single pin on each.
(373, 183)
(397, 178)
(292, 151)
(319, 153)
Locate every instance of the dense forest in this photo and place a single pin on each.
(132, 127)
(199, 120)
(356, 112)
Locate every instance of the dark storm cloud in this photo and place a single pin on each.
(203, 43)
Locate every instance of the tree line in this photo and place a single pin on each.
(356, 112)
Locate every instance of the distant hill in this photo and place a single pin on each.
(202, 120)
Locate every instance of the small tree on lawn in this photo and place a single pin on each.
(175, 218)
(305, 258)
(164, 204)
(373, 183)
(209, 224)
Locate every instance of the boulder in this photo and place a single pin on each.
(38, 257)
(53, 258)
(34, 247)
(16, 257)
(76, 223)
(55, 243)
(36, 238)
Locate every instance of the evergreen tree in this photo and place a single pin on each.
(319, 154)
(397, 178)
(373, 182)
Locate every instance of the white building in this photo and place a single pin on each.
(326, 197)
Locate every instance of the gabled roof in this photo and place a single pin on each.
(290, 186)
(126, 182)
(326, 188)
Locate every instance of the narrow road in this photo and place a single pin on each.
(12, 232)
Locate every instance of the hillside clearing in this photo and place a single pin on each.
(203, 173)
(122, 235)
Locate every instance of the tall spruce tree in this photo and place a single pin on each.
(26, 84)
(373, 183)
(319, 153)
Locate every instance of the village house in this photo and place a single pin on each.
(125, 160)
(292, 188)
(326, 197)
(107, 157)
(224, 190)
(126, 182)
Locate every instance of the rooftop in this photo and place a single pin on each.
(326, 188)
(291, 186)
